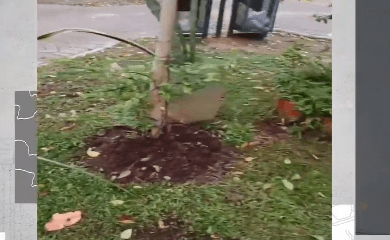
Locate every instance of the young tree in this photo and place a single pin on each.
(168, 16)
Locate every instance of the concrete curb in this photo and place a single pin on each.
(313, 36)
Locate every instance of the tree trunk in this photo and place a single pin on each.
(194, 27)
(161, 62)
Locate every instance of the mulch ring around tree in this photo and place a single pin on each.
(186, 154)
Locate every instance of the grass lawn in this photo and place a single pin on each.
(80, 97)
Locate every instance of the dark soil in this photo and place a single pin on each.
(186, 154)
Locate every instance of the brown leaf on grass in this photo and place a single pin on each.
(215, 236)
(249, 145)
(127, 234)
(60, 221)
(126, 219)
(68, 127)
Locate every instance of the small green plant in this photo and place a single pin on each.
(307, 82)
(237, 134)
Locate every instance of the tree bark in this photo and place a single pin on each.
(162, 60)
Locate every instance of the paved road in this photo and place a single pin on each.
(134, 21)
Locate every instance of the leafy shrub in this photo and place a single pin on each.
(307, 82)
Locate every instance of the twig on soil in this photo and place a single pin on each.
(82, 170)
(47, 35)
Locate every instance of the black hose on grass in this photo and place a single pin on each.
(47, 35)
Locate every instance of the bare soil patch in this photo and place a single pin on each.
(273, 44)
(185, 154)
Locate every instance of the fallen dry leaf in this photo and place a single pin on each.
(73, 113)
(296, 177)
(249, 159)
(92, 153)
(157, 168)
(115, 66)
(321, 195)
(267, 185)
(215, 236)
(68, 127)
(117, 202)
(161, 224)
(124, 174)
(288, 184)
(127, 234)
(250, 144)
(125, 219)
(60, 221)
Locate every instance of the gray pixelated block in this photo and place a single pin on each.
(25, 192)
(24, 160)
(26, 119)
(27, 102)
(26, 144)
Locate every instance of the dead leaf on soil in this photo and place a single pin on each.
(60, 221)
(250, 144)
(161, 225)
(92, 153)
(249, 159)
(145, 159)
(124, 174)
(157, 168)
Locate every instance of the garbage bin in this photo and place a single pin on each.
(253, 16)
(204, 12)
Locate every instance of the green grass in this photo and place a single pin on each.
(242, 207)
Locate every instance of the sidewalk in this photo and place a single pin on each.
(136, 21)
